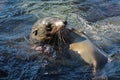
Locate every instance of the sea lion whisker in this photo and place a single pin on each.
(58, 39)
(27, 40)
(67, 36)
(55, 39)
(64, 39)
(62, 36)
(59, 35)
(51, 39)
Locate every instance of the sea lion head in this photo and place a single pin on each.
(45, 29)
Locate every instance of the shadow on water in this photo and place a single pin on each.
(19, 62)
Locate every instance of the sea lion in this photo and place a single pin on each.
(54, 32)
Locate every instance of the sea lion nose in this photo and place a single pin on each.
(49, 27)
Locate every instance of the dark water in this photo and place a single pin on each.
(19, 62)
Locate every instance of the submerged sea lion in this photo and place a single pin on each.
(54, 32)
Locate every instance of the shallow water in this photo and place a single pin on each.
(98, 18)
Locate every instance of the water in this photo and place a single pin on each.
(19, 62)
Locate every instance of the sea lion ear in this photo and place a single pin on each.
(65, 22)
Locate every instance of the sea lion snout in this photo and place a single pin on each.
(49, 27)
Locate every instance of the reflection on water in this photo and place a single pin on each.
(18, 61)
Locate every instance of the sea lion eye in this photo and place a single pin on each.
(49, 27)
(35, 32)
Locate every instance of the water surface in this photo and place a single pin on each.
(98, 18)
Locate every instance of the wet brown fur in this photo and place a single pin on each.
(88, 52)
